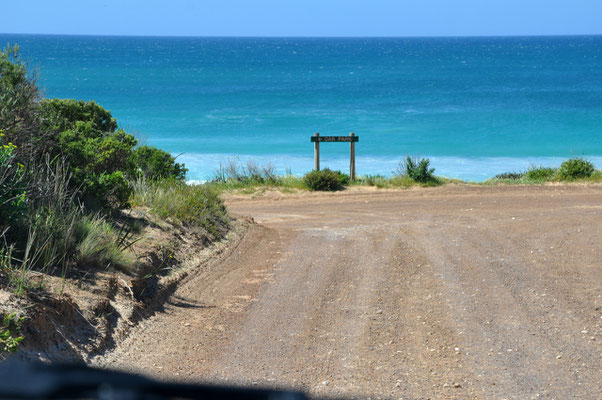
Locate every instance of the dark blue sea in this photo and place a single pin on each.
(474, 106)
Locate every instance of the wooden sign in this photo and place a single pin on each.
(351, 139)
(335, 139)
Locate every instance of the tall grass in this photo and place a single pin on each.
(249, 173)
(234, 175)
(183, 203)
(54, 233)
(99, 246)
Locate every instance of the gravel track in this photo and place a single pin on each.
(452, 292)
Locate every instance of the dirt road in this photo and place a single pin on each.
(453, 292)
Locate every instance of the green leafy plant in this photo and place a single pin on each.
(100, 156)
(10, 333)
(540, 174)
(325, 179)
(575, 168)
(153, 163)
(344, 178)
(60, 115)
(418, 170)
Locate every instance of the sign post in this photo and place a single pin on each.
(317, 152)
(316, 139)
(352, 158)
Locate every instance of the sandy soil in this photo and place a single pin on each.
(452, 292)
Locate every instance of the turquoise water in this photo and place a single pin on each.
(475, 106)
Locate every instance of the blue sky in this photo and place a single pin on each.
(303, 17)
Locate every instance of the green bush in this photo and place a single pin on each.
(56, 153)
(540, 173)
(19, 107)
(575, 168)
(59, 115)
(107, 190)
(510, 175)
(325, 179)
(153, 163)
(343, 178)
(100, 156)
(419, 171)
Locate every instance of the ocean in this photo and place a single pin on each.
(474, 106)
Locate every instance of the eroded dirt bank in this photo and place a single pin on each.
(453, 292)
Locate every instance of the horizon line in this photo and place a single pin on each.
(302, 36)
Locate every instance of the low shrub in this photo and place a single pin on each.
(344, 178)
(153, 163)
(99, 162)
(510, 175)
(575, 168)
(418, 170)
(596, 176)
(325, 179)
(540, 173)
(107, 190)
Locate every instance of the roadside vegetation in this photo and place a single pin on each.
(326, 180)
(572, 170)
(251, 178)
(69, 177)
(182, 203)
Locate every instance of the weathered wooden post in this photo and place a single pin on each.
(352, 158)
(317, 152)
